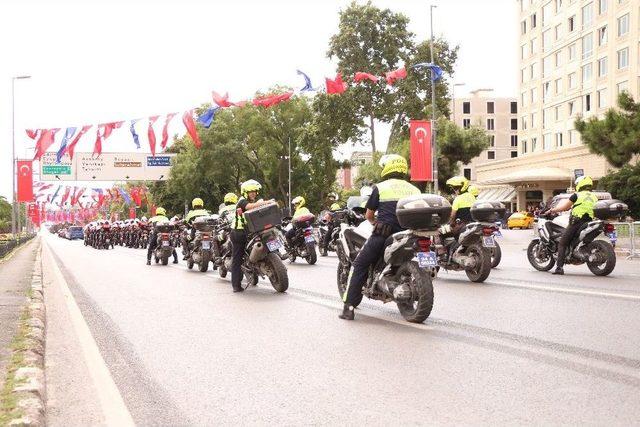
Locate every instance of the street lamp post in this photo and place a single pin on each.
(434, 156)
(13, 155)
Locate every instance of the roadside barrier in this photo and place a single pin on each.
(627, 238)
(7, 246)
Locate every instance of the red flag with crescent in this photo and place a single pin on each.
(25, 180)
(421, 158)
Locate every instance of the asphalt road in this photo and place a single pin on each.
(524, 347)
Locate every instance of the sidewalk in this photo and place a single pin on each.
(15, 279)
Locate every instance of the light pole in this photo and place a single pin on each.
(453, 99)
(434, 156)
(289, 170)
(13, 155)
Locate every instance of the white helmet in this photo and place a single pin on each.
(366, 191)
(144, 218)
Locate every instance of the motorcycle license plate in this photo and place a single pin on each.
(309, 239)
(427, 259)
(165, 243)
(488, 242)
(206, 245)
(497, 233)
(273, 245)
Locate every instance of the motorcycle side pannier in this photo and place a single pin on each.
(487, 211)
(610, 209)
(423, 212)
(263, 218)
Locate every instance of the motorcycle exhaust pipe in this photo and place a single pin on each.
(258, 252)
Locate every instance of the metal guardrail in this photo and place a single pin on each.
(7, 246)
(627, 238)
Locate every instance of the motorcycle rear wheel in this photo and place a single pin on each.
(204, 263)
(419, 280)
(496, 255)
(312, 258)
(165, 259)
(483, 263)
(279, 277)
(605, 268)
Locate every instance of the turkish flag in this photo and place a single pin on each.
(335, 86)
(421, 158)
(365, 76)
(152, 136)
(25, 180)
(190, 124)
(132, 212)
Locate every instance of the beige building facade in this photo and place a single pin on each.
(575, 57)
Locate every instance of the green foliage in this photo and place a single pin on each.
(5, 215)
(360, 46)
(617, 136)
(253, 143)
(624, 185)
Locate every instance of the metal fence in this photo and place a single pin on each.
(7, 246)
(627, 238)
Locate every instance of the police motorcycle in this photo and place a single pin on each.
(262, 250)
(201, 248)
(472, 251)
(222, 241)
(586, 247)
(303, 244)
(405, 272)
(165, 245)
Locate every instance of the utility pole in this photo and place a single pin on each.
(289, 169)
(13, 157)
(434, 156)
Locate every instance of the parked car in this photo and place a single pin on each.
(520, 220)
(74, 232)
(62, 232)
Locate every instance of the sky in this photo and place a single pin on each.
(100, 61)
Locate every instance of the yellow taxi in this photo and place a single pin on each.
(520, 220)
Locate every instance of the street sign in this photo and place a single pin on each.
(106, 167)
(578, 172)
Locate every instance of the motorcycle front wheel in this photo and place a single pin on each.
(343, 272)
(419, 281)
(606, 258)
(539, 256)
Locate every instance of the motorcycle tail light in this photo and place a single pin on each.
(165, 236)
(487, 231)
(424, 244)
(609, 228)
(307, 232)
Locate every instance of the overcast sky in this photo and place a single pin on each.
(100, 61)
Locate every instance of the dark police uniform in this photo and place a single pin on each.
(153, 238)
(383, 199)
(238, 242)
(581, 212)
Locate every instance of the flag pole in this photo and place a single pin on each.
(434, 156)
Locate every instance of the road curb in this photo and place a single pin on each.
(29, 375)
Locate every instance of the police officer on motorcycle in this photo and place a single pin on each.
(581, 204)
(330, 226)
(197, 210)
(299, 209)
(383, 199)
(229, 205)
(161, 216)
(249, 200)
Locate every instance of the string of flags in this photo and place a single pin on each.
(45, 138)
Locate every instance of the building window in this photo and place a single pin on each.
(602, 35)
(524, 146)
(623, 58)
(491, 155)
(523, 27)
(523, 98)
(570, 108)
(522, 75)
(558, 86)
(534, 97)
(602, 66)
(546, 141)
(514, 107)
(533, 120)
(524, 122)
(571, 24)
(492, 140)
(532, 46)
(572, 80)
(490, 124)
(587, 46)
(490, 107)
(514, 124)
(602, 98)
(514, 154)
(602, 6)
(557, 32)
(514, 140)
(587, 15)
(558, 5)
(587, 72)
(558, 58)
(623, 25)
(572, 51)
(622, 86)
(467, 173)
(523, 51)
(466, 108)
(587, 102)
(573, 138)
(533, 21)
(556, 113)
(466, 123)
(546, 66)
(558, 139)
(546, 40)
(545, 90)
(534, 143)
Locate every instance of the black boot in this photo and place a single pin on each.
(148, 262)
(347, 312)
(559, 271)
(175, 260)
(323, 252)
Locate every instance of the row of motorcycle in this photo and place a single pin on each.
(412, 258)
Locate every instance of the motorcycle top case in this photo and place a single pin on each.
(303, 220)
(610, 209)
(423, 212)
(205, 223)
(487, 211)
(263, 218)
(164, 227)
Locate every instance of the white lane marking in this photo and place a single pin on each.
(113, 407)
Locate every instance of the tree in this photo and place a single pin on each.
(617, 136)
(360, 46)
(625, 185)
(5, 215)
